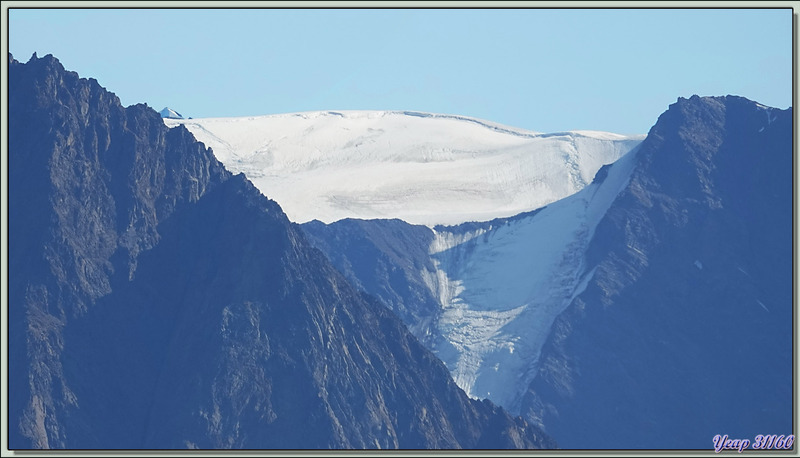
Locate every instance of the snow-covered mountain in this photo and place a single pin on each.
(169, 113)
(422, 168)
(504, 241)
(439, 169)
(490, 319)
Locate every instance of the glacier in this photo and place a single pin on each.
(423, 168)
(499, 284)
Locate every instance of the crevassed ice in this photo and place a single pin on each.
(500, 289)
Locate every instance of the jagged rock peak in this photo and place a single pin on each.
(157, 302)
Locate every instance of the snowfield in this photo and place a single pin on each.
(422, 168)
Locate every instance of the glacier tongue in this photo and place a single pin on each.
(502, 286)
(422, 168)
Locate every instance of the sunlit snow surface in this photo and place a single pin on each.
(499, 286)
(419, 167)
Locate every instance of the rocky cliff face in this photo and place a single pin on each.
(685, 330)
(384, 258)
(90, 183)
(157, 301)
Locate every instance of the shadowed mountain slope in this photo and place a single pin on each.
(158, 302)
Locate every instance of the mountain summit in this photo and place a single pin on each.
(684, 331)
(156, 301)
(169, 113)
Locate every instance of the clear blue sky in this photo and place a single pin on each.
(542, 69)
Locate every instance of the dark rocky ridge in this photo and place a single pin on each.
(156, 301)
(685, 331)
